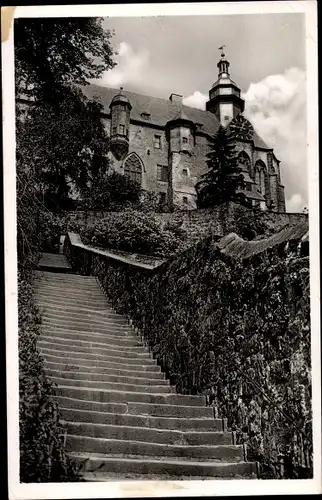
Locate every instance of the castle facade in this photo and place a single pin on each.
(162, 144)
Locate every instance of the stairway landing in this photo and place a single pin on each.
(54, 263)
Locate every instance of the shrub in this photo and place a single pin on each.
(42, 455)
(132, 231)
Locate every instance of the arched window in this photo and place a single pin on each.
(261, 178)
(244, 161)
(133, 167)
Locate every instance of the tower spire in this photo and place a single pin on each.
(224, 96)
(223, 64)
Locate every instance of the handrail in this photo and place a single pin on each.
(150, 263)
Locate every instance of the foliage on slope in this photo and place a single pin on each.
(239, 330)
(42, 456)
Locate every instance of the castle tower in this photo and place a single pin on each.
(120, 124)
(224, 96)
(181, 139)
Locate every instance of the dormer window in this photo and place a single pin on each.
(146, 116)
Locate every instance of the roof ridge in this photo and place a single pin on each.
(175, 104)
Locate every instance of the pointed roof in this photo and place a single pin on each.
(120, 97)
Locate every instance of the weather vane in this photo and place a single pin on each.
(222, 50)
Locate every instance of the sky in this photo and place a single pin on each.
(160, 55)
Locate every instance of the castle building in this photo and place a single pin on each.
(162, 144)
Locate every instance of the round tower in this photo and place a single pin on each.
(224, 96)
(180, 134)
(120, 124)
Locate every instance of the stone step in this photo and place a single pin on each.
(110, 396)
(122, 335)
(113, 386)
(141, 465)
(92, 348)
(86, 322)
(108, 332)
(103, 312)
(75, 292)
(155, 436)
(169, 410)
(56, 357)
(63, 301)
(70, 338)
(74, 278)
(74, 404)
(70, 287)
(103, 377)
(88, 327)
(105, 477)
(93, 316)
(58, 350)
(101, 417)
(119, 343)
(161, 411)
(88, 444)
(78, 294)
(97, 371)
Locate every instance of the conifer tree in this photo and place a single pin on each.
(220, 183)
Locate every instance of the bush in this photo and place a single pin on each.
(132, 231)
(42, 455)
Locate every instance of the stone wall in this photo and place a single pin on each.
(219, 220)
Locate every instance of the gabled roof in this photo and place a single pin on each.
(161, 110)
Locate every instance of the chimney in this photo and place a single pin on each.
(176, 98)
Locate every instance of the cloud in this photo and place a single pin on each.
(295, 203)
(196, 100)
(276, 106)
(131, 67)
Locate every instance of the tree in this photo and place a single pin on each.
(111, 191)
(52, 55)
(220, 183)
(61, 141)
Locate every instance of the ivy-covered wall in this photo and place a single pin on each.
(237, 330)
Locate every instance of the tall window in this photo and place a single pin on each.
(185, 200)
(162, 173)
(157, 141)
(121, 129)
(185, 172)
(261, 178)
(244, 161)
(184, 140)
(133, 168)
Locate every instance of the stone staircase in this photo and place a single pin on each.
(122, 418)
